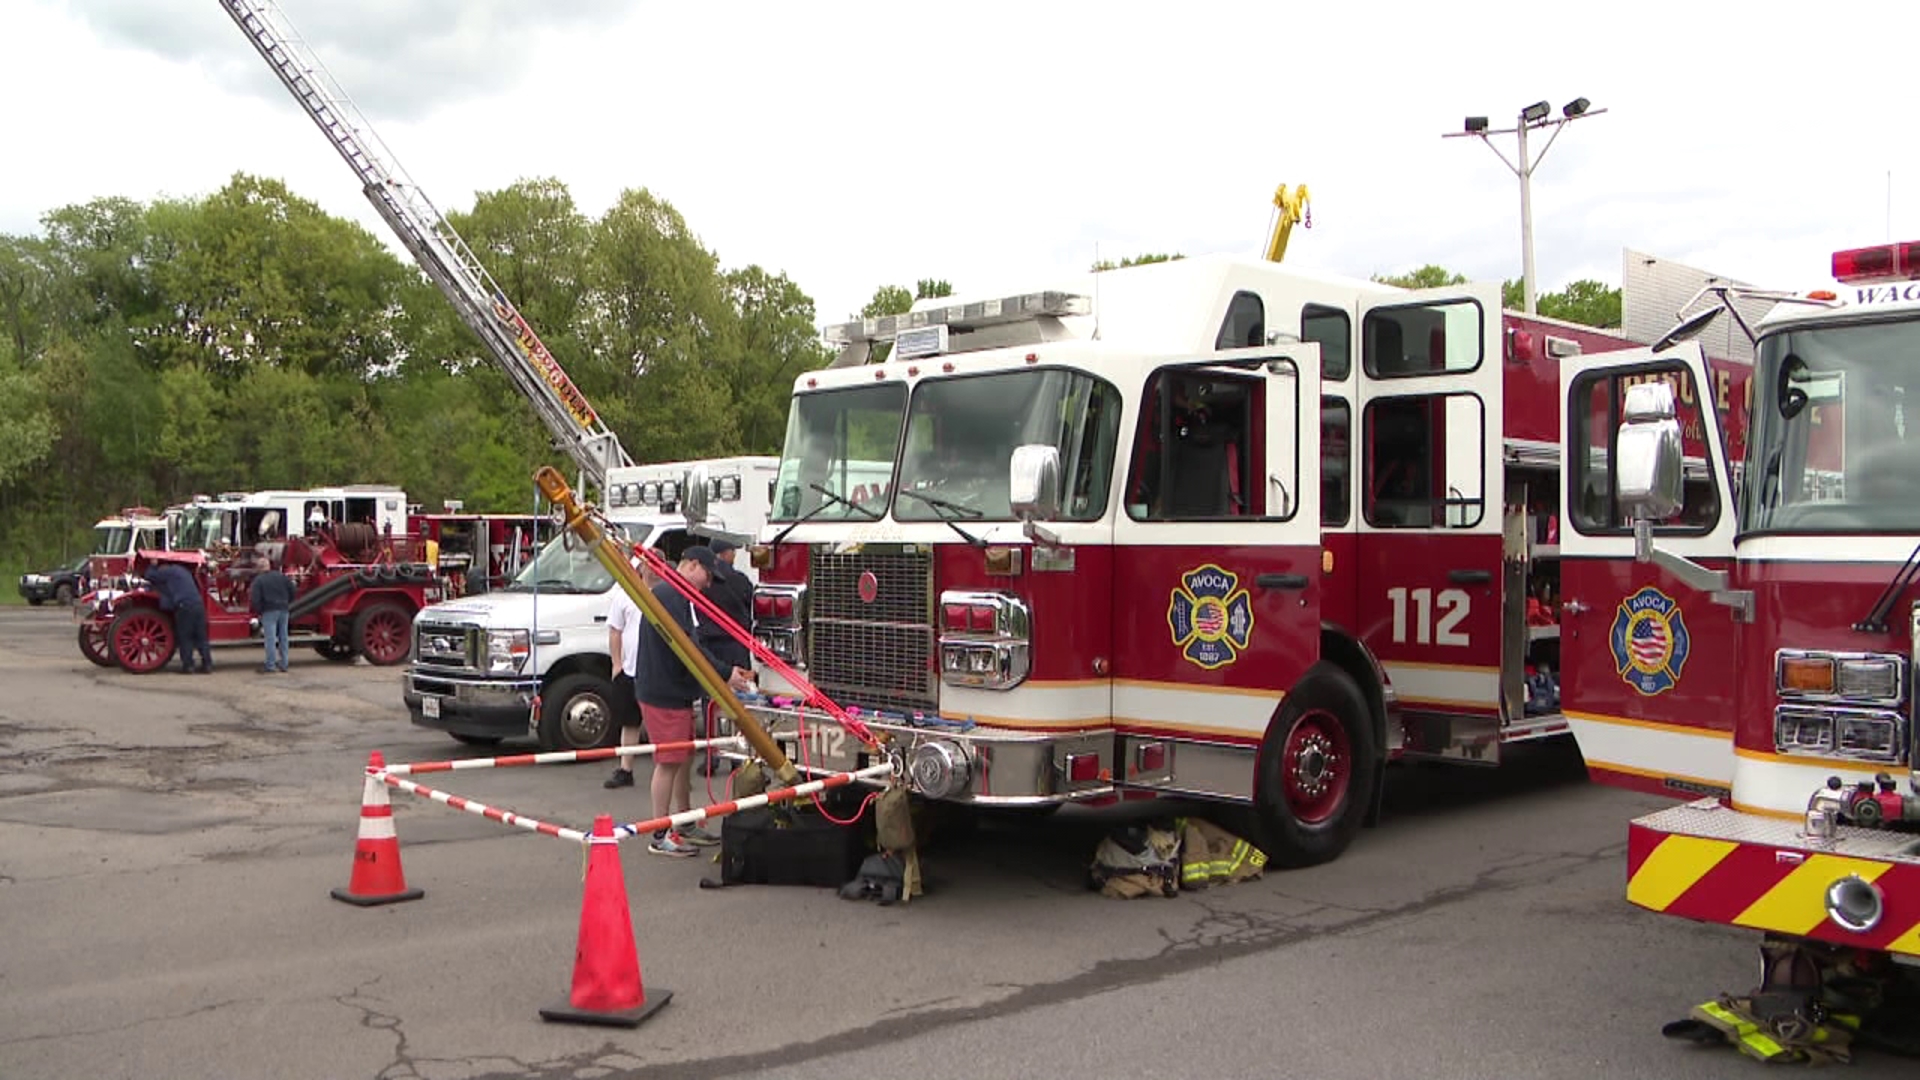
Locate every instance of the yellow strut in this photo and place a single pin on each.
(1289, 207)
(554, 487)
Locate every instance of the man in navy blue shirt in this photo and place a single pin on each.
(180, 594)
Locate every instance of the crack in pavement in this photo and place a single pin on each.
(405, 1066)
(116, 1028)
(1219, 936)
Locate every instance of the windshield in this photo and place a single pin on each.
(962, 432)
(843, 441)
(112, 539)
(1833, 446)
(558, 569)
(200, 528)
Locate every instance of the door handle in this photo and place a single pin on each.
(1574, 607)
(1280, 581)
(1469, 577)
(599, 618)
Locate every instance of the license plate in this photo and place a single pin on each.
(430, 708)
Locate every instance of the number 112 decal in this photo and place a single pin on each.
(1436, 619)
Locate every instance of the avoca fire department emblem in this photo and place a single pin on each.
(1211, 616)
(1649, 641)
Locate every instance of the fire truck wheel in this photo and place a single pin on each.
(577, 714)
(1316, 770)
(142, 639)
(380, 634)
(93, 643)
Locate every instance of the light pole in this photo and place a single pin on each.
(1531, 118)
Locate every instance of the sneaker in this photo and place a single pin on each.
(671, 844)
(620, 778)
(698, 836)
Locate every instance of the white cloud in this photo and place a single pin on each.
(851, 144)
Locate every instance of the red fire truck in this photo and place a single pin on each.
(117, 538)
(479, 552)
(1114, 559)
(1754, 643)
(356, 591)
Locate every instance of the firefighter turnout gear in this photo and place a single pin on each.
(1210, 855)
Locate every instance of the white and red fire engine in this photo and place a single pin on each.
(1756, 643)
(116, 538)
(1212, 527)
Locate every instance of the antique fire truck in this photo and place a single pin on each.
(1213, 527)
(357, 587)
(1752, 640)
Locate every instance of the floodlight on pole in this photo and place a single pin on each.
(1533, 117)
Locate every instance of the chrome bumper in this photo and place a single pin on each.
(1001, 768)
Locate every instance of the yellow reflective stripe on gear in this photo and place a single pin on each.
(1672, 867)
(1798, 903)
(1743, 1029)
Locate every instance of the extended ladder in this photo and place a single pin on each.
(431, 238)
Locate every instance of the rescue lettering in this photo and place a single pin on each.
(1888, 294)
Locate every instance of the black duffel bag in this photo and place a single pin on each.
(778, 846)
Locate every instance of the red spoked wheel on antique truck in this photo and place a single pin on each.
(142, 639)
(382, 633)
(1317, 769)
(93, 642)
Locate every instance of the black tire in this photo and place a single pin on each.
(339, 652)
(475, 740)
(1317, 769)
(63, 594)
(576, 713)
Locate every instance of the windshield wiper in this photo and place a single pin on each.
(829, 499)
(547, 584)
(943, 507)
(1876, 620)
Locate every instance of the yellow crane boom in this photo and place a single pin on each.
(1289, 208)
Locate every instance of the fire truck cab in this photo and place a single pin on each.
(1755, 645)
(1212, 527)
(117, 538)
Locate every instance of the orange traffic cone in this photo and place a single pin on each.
(606, 965)
(376, 855)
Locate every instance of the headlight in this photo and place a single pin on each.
(1862, 678)
(506, 651)
(1854, 734)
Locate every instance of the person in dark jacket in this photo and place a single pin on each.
(270, 596)
(667, 691)
(732, 592)
(180, 594)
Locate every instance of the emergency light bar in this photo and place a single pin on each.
(975, 316)
(1884, 262)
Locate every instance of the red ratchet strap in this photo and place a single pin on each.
(810, 695)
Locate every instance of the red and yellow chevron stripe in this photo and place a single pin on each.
(1764, 887)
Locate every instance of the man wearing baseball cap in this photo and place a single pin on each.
(667, 691)
(732, 592)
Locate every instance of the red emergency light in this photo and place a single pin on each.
(970, 618)
(1882, 262)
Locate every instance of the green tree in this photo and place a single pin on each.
(777, 341)
(1427, 277)
(931, 289)
(1135, 260)
(888, 300)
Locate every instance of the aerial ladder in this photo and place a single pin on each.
(430, 237)
(1289, 208)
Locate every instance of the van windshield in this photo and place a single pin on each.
(565, 566)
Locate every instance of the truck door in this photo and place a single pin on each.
(1217, 547)
(1430, 521)
(1647, 663)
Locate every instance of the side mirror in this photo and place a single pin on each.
(1033, 482)
(1647, 468)
(693, 495)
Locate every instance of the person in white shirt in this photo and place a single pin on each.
(623, 645)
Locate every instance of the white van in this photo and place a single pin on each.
(531, 658)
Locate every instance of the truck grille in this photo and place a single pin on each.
(879, 651)
(446, 645)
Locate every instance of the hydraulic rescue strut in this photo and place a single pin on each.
(579, 519)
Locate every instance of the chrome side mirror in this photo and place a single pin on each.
(693, 495)
(1648, 480)
(1033, 482)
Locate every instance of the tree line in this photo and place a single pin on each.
(246, 339)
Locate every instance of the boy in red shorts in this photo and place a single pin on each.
(667, 691)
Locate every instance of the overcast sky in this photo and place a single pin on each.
(991, 142)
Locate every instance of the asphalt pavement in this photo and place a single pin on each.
(167, 844)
